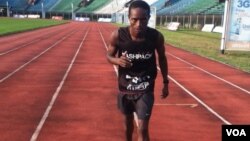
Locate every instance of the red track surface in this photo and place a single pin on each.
(55, 84)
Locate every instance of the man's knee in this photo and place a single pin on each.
(142, 126)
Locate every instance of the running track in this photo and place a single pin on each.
(56, 85)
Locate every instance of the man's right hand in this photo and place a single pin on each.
(124, 62)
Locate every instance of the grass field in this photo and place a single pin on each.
(207, 45)
(11, 25)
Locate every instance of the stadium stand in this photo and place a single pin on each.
(215, 9)
(167, 10)
(20, 5)
(96, 4)
(170, 2)
(78, 6)
(176, 8)
(85, 3)
(191, 7)
(160, 4)
(164, 7)
(47, 4)
(112, 7)
(200, 6)
(128, 3)
(3, 3)
(65, 6)
(33, 2)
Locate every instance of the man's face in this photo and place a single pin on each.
(138, 20)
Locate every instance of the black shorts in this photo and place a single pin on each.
(142, 105)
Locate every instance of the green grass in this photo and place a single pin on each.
(12, 25)
(207, 45)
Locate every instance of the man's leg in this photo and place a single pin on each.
(144, 108)
(143, 134)
(127, 107)
(129, 127)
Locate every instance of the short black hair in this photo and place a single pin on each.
(139, 4)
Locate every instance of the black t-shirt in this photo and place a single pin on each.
(141, 76)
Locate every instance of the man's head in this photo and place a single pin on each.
(139, 14)
(139, 4)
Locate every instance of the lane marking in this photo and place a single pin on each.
(22, 46)
(33, 41)
(31, 33)
(199, 100)
(115, 68)
(230, 83)
(34, 58)
(177, 104)
(55, 95)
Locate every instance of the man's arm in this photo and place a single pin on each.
(112, 52)
(163, 64)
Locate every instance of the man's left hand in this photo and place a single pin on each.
(165, 91)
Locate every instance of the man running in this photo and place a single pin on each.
(132, 48)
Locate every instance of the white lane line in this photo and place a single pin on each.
(34, 58)
(230, 83)
(55, 95)
(115, 68)
(11, 50)
(199, 100)
(176, 104)
(34, 41)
